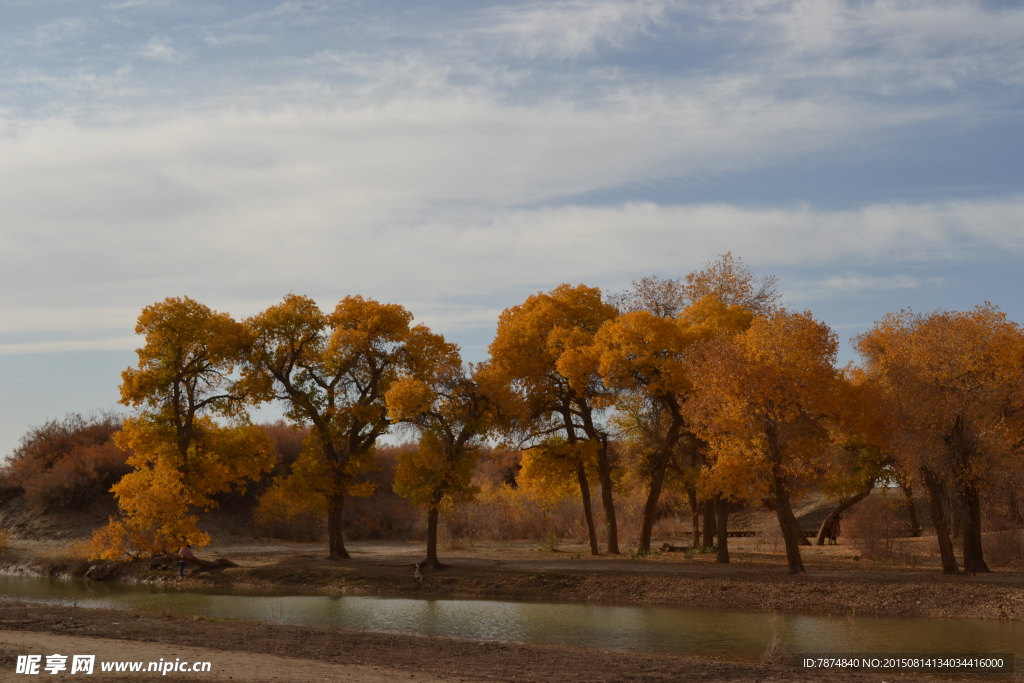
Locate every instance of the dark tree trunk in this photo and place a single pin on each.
(433, 517)
(843, 505)
(933, 491)
(791, 532)
(722, 517)
(789, 527)
(335, 538)
(691, 493)
(961, 449)
(915, 523)
(588, 513)
(974, 560)
(651, 506)
(604, 473)
(710, 527)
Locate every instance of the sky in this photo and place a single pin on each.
(456, 157)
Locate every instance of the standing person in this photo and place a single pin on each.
(186, 555)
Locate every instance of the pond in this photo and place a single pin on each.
(731, 634)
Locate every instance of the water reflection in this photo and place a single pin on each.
(671, 630)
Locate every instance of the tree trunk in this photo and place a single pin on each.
(974, 560)
(844, 505)
(933, 491)
(710, 527)
(691, 493)
(335, 538)
(915, 523)
(604, 473)
(651, 506)
(722, 517)
(789, 526)
(791, 532)
(432, 519)
(588, 513)
(961, 448)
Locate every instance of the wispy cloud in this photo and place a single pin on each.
(848, 283)
(159, 49)
(570, 28)
(104, 344)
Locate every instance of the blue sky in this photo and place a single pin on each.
(456, 157)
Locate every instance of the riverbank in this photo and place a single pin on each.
(835, 582)
(297, 653)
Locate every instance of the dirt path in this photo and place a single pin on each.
(225, 664)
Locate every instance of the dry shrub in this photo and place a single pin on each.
(308, 526)
(506, 513)
(68, 463)
(875, 528)
(3, 542)
(385, 514)
(1004, 526)
(1004, 547)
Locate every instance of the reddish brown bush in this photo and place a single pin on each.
(875, 528)
(67, 463)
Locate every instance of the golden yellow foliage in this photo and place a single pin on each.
(451, 410)
(542, 354)
(332, 373)
(181, 456)
(765, 397)
(953, 386)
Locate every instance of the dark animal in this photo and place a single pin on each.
(832, 532)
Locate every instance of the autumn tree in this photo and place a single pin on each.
(332, 372)
(448, 407)
(765, 395)
(189, 438)
(541, 353)
(955, 384)
(643, 356)
(727, 279)
(641, 353)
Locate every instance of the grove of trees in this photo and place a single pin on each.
(704, 391)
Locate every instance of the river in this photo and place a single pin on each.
(731, 634)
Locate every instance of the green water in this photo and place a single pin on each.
(672, 630)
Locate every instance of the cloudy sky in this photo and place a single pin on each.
(457, 156)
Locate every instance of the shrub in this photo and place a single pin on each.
(3, 542)
(875, 526)
(67, 463)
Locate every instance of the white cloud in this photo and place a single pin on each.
(159, 49)
(102, 344)
(890, 48)
(570, 28)
(855, 283)
(79, 318)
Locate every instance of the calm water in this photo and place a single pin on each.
(675, 630)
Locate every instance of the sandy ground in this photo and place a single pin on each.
(225, 665)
